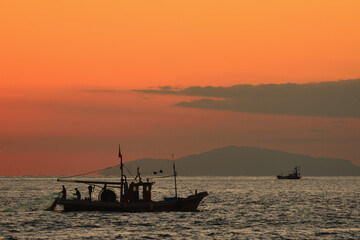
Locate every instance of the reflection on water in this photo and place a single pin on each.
(236, 208)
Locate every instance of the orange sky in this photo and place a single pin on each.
(53, 51)
(146, 43)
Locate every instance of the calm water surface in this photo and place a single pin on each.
(236, 208)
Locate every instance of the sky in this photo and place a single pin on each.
(77, 78)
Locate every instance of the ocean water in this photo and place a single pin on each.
(236, 208)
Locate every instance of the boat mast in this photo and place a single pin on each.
(122, 175)
(174, 175)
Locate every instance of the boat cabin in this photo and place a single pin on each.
(133, 192)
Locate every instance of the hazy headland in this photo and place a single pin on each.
(242, 161)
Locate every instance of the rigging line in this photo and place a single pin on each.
(186, 186)
(82, 174)
(37, 200)
(128, 171)
(160, 177)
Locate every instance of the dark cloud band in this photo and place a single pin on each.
(329, 99)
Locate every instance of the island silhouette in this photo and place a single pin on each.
(242, 161)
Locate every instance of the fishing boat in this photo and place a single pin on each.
(294, 175)
(133, 197)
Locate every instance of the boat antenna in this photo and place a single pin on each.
(174, 175)
(122, 174)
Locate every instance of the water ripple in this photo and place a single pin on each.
(236, 208)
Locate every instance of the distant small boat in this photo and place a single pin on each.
(294, 175)
(133, 197)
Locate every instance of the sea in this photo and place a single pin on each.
(236, 208)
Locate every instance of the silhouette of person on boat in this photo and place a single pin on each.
(90, 191)
(77, 193)
(63, 192)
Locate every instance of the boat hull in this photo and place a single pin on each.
(189, 204)
(288, 177)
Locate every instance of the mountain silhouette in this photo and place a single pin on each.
(241, 161)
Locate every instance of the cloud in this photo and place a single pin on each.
(329, 99)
